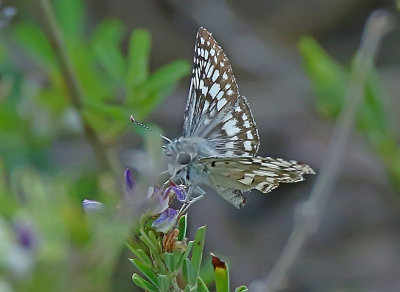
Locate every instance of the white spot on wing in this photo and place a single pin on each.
(249, 135)
(206, 105)
(203, 88)
(247, 145)
(221, 103)
(220, 95)
(230, 128)
(207, 67)
(206, 54)
(246, 180)
(215, 76)
(264, 173)
(214, 89)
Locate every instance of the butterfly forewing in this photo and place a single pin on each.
(215, 111)
(261, 173)
(213, 87)
(236, 134)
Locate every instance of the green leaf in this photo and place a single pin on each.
(105, 41)
(197, 253)
(142, 283)
(8, 204)
(149, 243)
(141, 255)
(242, 289)
(182, 227)
(329, 79)
(169, 259)
(71, 18)
(167, 75)
(155, 89)
(201, 286)
(35, 43)
(163, 283)
(107, 111)
(148, 272)
(138, 58)
(188, 273)
(155, 239)
(184, 255)
(221, 273)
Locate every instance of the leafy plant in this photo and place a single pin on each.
(329, 80)
(113, 86)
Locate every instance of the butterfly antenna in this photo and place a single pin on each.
(148, 128)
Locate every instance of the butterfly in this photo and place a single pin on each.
(220, 139)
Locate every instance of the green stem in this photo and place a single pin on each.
(75, 96)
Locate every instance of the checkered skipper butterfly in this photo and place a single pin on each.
(220, 139)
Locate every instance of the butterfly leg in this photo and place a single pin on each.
(235, 197)
(190, 200)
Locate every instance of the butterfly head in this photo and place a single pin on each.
(181, 154)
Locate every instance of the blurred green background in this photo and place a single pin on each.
(63, 140)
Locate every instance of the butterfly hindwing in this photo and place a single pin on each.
(261, 173)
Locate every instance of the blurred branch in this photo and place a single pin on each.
(76, 96)
(307, 216)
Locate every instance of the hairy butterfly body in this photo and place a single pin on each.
(220, 138)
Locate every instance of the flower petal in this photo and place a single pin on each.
(179, 191)
(25, 235)
(91, 205)
(166, 221)
(129, 182)
(158, 202)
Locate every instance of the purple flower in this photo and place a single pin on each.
(179, 191)
(91, 205)
(25, 236)
(129, 182)
(159, 201)
(165, 221)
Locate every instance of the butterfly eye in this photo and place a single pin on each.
(184, 158)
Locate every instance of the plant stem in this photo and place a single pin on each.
(307, 216)
(75, 96)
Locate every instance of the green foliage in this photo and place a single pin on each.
(221, 273)
(222, 279)
(113, 85)
(162, 268)
(38, 123)
(329, 80)
(58, 237)
(182, 227)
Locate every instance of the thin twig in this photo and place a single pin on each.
(75, 96)
(307, 216)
